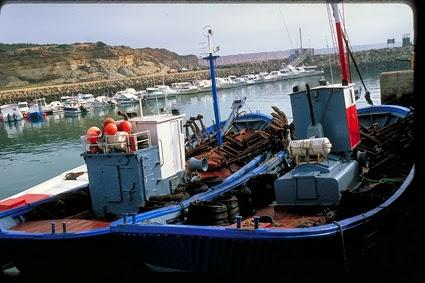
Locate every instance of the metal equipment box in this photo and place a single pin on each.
(121, 182)
(316, 183)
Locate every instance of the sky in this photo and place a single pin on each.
(238, 28)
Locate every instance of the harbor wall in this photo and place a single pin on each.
(397, 87)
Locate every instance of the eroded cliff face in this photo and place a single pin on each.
(82, 62)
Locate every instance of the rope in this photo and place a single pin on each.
(348, 44)
(344, 254)
(383, 180)
(333, 36)
(330, 62)
(289, 35)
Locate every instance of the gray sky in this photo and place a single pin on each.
(239, 28)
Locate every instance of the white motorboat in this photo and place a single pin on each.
(74, 106)
(23, 107)
(65, 98)
(203, 85)
(127, 96)
(249, 79)
(10, 113)
(166, 90)
(43, 107)
(159, 91)
(273, 76)
(56, 106)
(223, 83)
(103, 102)
(289, 71)
(87, 97)
(184, 88)
(236, 80)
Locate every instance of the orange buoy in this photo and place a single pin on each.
(107, 121)
(96, 129)
(92, 136)
(125, 126)
(111, 129)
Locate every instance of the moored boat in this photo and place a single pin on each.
(43, 106)
(10, 113)
(72, 106)
(35, 113)
(184, 88)
(282, 227)
(23, 107)
(126, 97)
(343, 187)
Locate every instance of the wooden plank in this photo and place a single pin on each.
(73, 225)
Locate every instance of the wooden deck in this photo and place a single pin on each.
(72, 225)
(283, 219)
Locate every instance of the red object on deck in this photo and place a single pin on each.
(11, 203)
(22, 200)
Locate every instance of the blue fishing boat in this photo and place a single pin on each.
(341, 187)
(246, 193)
(280, 227)
(35, 113)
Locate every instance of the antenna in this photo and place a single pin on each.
(208, 33)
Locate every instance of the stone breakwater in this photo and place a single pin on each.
(378, 59)
(110, 87)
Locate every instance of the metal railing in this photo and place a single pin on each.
(125, 143)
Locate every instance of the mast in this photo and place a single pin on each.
(343, 58)
(301, 43)
(211, 59)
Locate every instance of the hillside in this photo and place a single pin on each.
(21, 65)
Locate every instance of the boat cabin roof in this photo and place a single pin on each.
(157, 118)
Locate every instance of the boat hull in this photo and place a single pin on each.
(367, 245)
(74, 259)
(362, 242)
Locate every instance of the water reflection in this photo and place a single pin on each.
(14, 129)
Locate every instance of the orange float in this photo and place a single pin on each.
(92, 136)
(96, 129)
(125, 126)
(107, 121)
(111, 129)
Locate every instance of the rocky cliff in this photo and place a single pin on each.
(82, 62)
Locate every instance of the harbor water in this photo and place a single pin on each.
(31, 153)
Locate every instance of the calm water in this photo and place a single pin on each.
(31, 153)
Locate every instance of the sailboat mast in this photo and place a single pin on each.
(343, 58)
(301, 42)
